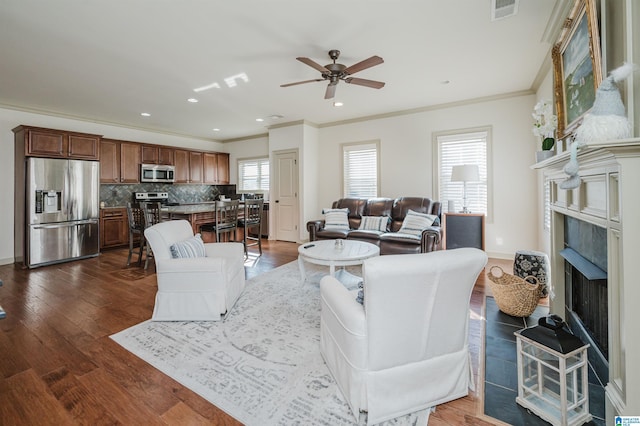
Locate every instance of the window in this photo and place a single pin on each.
(463, 148)
(360, 170)
(253, 175)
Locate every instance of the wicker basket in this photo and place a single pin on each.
(514, 296)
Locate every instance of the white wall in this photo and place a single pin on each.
(545, 91)
(10, 119)
(407, 162)
(310, 179)
(245, 148)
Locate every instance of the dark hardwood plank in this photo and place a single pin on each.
(59, 365)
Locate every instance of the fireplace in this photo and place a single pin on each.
(596, 227)
(586, 299)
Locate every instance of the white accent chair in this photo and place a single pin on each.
(406, 349)
(194, 289)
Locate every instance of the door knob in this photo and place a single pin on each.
(277, 201)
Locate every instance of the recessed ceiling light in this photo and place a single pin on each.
(145, 114)
(275, 117)
(338, 104)
(192, 100)
(260, 119)
(216, 130)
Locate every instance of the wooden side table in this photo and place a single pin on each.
(463, 230)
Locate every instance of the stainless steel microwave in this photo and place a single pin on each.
(157, 173)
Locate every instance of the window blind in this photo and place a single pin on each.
(253, 174)
(360, 170)
(458, 149)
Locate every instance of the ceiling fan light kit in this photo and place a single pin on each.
(334, 73)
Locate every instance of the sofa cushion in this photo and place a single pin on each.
(365, 235)
(375, 223)
(414, 223)
(191, 247)
(401, 237)
(336, 219)
(360, 297)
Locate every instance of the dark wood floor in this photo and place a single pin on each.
(58, 365)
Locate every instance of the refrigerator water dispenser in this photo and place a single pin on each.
(48, 201)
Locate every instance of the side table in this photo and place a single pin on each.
(463, 230)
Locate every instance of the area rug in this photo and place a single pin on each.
(262, 365)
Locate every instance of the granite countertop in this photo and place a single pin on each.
(191, 208)
(194, 208)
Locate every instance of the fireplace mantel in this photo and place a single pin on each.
(608, 196)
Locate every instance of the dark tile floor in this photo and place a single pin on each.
(501, 376)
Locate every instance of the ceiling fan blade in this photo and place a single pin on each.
(302, 82)
(331, 90)
(364, 82)
(363, 65)
(313, 64)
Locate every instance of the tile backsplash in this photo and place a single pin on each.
(119, 195)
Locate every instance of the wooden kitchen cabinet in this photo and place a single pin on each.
(223, 168)
(114, 227)
(195, 167)
(189, 166)
(119, 161)
(152, 154)
(41, 142)
(216, 168)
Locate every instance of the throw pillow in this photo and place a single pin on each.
(414, 223)
(360, 298)
(336, 219)
(191, 247)
(375, 223)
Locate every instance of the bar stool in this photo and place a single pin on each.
(136, 227)
(226, 220)
(252, 219)
(151, 213)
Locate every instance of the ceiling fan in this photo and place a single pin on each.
(333, 73)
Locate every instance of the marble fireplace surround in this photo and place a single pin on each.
(609, 197)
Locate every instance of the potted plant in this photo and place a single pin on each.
(544, 127)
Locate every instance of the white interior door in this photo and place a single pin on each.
(285, 201)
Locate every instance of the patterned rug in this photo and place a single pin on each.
(263, 364)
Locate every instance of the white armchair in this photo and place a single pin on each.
(406, 349)
(194, 289)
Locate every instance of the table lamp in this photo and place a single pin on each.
(465, 173)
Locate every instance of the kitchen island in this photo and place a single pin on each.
(196, 214)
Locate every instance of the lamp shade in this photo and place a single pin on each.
(465, 173)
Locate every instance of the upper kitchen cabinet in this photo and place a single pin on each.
(188, 166)
(153, 154)
(40, 142)
(119, 161)
(216, 168)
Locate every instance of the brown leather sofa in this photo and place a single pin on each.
(396, 209)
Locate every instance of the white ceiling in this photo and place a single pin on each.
(108, 61)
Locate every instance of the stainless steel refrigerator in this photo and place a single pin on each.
(62, 210)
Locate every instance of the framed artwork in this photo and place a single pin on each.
(577, 66)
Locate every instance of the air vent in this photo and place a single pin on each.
(501, 9)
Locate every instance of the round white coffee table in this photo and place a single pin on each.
(325, 252)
